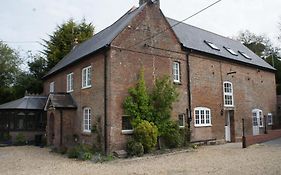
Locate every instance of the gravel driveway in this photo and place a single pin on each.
(222, 159)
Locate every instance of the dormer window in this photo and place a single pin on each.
(212, 45)
(231, 51)
(245, 55)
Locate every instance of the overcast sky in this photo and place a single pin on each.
(29, 21)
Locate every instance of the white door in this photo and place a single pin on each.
(227, 127)
(256, 130)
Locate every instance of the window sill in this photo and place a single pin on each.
(177, 83)
(69, 91)
(181, 127)
(86, 133)
(269, 124)
(127, 132)
(86, 87)
(201, 126)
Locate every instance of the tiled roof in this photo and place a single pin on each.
(190, 37)
(195, 38)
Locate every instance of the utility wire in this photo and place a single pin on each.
(21, 42)
(159, 33)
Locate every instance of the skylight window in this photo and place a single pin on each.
(212, 45)
(245, 55)
(231, 51)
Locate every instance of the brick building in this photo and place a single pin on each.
(219, 80)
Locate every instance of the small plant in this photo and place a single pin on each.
(85, 156)
(82, 152)
(146, 133)
(135, 148)
(20, 139)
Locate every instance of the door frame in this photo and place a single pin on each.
(229, 131)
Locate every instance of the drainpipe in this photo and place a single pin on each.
(188, 89)
(106, 150)
(61, 128)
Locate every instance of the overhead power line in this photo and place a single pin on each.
(21, 42)
(159, 33)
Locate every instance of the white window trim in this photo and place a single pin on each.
(52, 87)
(177, 79)
(126, 131)
(87, 78)
(69, 82)
(204, 109)
(228, 93)
(87, 130)
(271, 123)
(182, 126)
(259, 118)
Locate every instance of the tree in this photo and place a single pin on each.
(31, 81)
(64, 38)
(9, 68)
(138, 103)
(9, 65)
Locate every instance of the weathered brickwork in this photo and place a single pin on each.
(252, 89)
(90, 97)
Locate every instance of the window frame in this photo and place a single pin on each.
(126, 131)
(202, 121)
(70, 82)
(183, 120)
(212, 45)
(269, 123)
(86, 77)
(176, 72)
(259, 116)
(52, 87)
(230, 94)
(87, 126)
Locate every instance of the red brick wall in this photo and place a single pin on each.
(125, 66)
(272, 134)
(91, 97)
(253, 88)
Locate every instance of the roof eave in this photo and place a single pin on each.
(189, 50)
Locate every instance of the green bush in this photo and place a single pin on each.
(146, 133)
(172, 135)
(82, 152)
(20, 139)
(134, 148)
(85, 155)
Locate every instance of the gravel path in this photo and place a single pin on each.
(222, 159)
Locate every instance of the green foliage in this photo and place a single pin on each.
(82, 152)
(9, 69)
(138, 103)
(135, 148)
(20, 139)
(146, 133)
(164, 94)
(9, 65)
(63, 39)
(172, 134)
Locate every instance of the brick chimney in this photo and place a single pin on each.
(157, 2)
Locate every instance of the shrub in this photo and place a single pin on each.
(172, 135)
(20, 139)
(72, 153)
(146, 133)
(134, 148)
(82, 152)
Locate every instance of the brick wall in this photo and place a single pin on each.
(272, 134)
(253, 88)
(125, 66)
